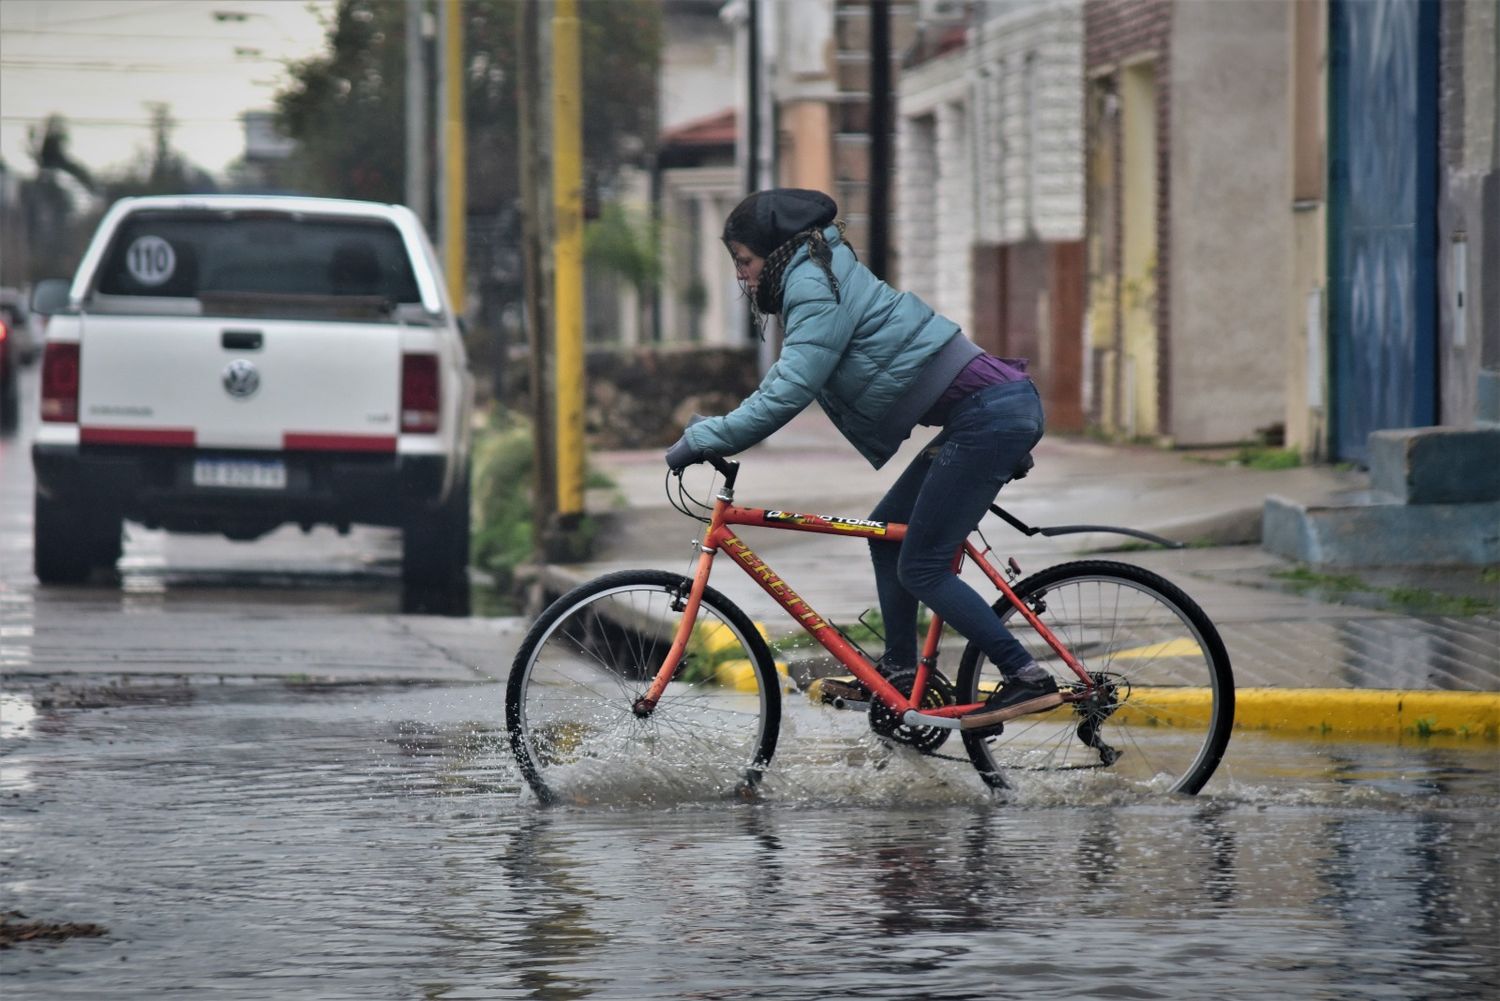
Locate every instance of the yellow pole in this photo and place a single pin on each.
(454, 195)
(567, 194)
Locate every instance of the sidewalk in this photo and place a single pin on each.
(1422, 647)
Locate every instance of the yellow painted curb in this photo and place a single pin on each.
(1323, 712)
(740, 675)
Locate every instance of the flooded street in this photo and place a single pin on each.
(263, 841)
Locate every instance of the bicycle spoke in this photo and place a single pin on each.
(571, 701)
(1165, 699)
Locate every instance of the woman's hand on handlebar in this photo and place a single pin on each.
(683, 454)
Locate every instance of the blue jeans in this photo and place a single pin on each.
(941, 496)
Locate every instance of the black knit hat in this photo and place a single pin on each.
(767, 219)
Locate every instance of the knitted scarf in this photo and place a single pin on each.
(767, 298)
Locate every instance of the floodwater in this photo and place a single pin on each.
(254, 841)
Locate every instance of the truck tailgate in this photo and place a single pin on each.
(239, 384)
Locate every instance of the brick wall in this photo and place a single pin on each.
(1116, 32)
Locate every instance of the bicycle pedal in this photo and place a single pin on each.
(839, 694)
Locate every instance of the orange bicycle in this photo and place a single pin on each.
(650, 672)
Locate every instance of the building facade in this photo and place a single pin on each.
(1396, 219)
(990, 202)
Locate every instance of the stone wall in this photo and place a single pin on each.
(643, 397)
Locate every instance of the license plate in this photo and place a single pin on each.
(253, 474)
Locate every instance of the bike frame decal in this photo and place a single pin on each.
(777, 588)
(808, 618)
(821, 524)
(837, 522)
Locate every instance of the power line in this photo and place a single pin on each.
(118, 34)
(119, 12)
(96, 121)
(212, 67)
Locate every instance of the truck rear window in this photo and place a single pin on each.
(189, 255)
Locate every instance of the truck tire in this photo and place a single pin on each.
(10, 397)
(63, 550)
(106, 539)
(435, 556)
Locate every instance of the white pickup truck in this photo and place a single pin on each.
(230, 364)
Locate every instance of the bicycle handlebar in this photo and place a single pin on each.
(727, 468)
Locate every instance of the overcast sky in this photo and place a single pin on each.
(100, 63)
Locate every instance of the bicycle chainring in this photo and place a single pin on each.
(887, 723)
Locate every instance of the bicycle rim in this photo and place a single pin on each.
(1164, 718)
(591, 656)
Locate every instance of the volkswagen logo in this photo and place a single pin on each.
(241, 378)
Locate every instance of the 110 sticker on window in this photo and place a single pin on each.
(151, 260)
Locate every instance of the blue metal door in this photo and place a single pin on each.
(1382, 224)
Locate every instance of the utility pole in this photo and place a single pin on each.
(752, 105)
(418, 195)
(535, 211)
(880, 136)
(452, 150)
(567, 304)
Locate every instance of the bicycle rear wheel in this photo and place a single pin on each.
(1165, 705)
(569, 702)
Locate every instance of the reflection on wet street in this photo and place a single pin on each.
(249, 840)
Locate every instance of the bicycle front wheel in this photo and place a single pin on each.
(1164, 706)
(569, 702)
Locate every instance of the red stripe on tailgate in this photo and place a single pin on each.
(338, 442)
(173, 437)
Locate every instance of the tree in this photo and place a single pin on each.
(56, 203)
(346, 106)
(162, 170)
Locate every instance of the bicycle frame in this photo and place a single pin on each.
(719, 536)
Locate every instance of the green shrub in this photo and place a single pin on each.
(504, 494)
(504, 483)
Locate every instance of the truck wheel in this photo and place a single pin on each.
(435, 557)
(10, 398)
(63, 550)
(106, 539)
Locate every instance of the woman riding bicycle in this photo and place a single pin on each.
(880, 362)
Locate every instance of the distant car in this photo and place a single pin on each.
(10, 394)
(231, 364)
(24, 330)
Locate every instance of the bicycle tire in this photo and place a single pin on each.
(592, 653)
(1170, 710)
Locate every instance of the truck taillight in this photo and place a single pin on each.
(60, 382)
(420, 394)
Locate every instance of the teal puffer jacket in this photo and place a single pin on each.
(862, 358)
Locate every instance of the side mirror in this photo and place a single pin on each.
(50, 296)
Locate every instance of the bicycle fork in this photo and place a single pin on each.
(646, 704)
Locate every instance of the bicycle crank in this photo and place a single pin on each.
(888, 724)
